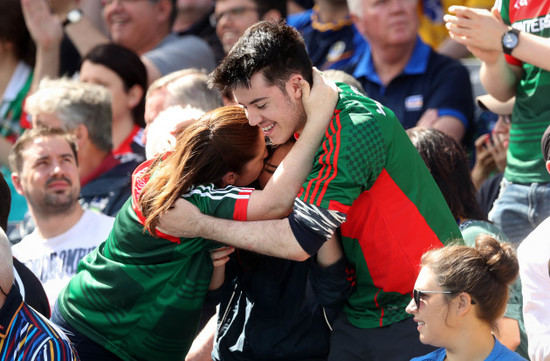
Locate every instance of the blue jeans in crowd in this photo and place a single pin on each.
(520, 208)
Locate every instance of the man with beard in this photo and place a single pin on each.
(45, 171)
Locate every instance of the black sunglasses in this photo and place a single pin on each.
(417, 294)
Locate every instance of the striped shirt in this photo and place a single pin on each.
(27, 335)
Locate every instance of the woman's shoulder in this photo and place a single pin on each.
(437, 355)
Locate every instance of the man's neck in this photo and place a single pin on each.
(89, 159)
(389, 62)
(122, 128)
(49, 226)
(330, 12)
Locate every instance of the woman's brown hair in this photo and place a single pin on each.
(220, 141)
(483, 271)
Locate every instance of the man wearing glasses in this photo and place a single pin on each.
(232, 17)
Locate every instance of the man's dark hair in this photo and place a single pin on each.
(14, 30)
(275, 49)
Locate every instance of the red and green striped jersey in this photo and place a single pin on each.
(139, 296)
(531, 114)
(368, 169)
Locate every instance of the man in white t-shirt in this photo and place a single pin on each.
(534, 272)
(45, 172)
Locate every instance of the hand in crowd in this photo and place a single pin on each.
(485, 162)
(44, 27)
(428, 119)
(220, 256)
(498, 151)
(479, 29)
(61, 7)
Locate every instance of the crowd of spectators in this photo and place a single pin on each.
(393, 212)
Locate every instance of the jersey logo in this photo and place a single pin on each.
(414, 102)
(380, 107)
(336, 51)
(519, 3)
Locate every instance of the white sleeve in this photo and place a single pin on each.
(534, 256)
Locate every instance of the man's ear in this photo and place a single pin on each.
(293, 86)
(16, 180)
(229, 178)
(82, 135)
(164, 10)
(358, 24)
(548, 166)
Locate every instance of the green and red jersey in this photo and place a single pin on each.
(140, 296)
(368, 169)
(531, 114)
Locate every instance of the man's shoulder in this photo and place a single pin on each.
(47, 337)
(355, 108)
(300, 20)
(536, 244)
(442, 63)
(30, 240)
(97, 218)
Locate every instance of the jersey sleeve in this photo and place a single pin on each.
(229, 202)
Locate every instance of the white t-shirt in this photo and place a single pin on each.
(54, 261)
(534, 264)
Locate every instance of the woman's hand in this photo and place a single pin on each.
(220, 256)
(480, 30)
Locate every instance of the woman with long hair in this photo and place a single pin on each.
(139, 294)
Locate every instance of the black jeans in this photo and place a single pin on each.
(88, 350)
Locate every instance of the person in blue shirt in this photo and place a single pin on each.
(422, 87)
(459, 295)
(332, 40)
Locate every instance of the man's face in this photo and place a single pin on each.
(49, 177)
(278, 113)
(154, 104)
(136, 24)
(234, 17)
(389, 22)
